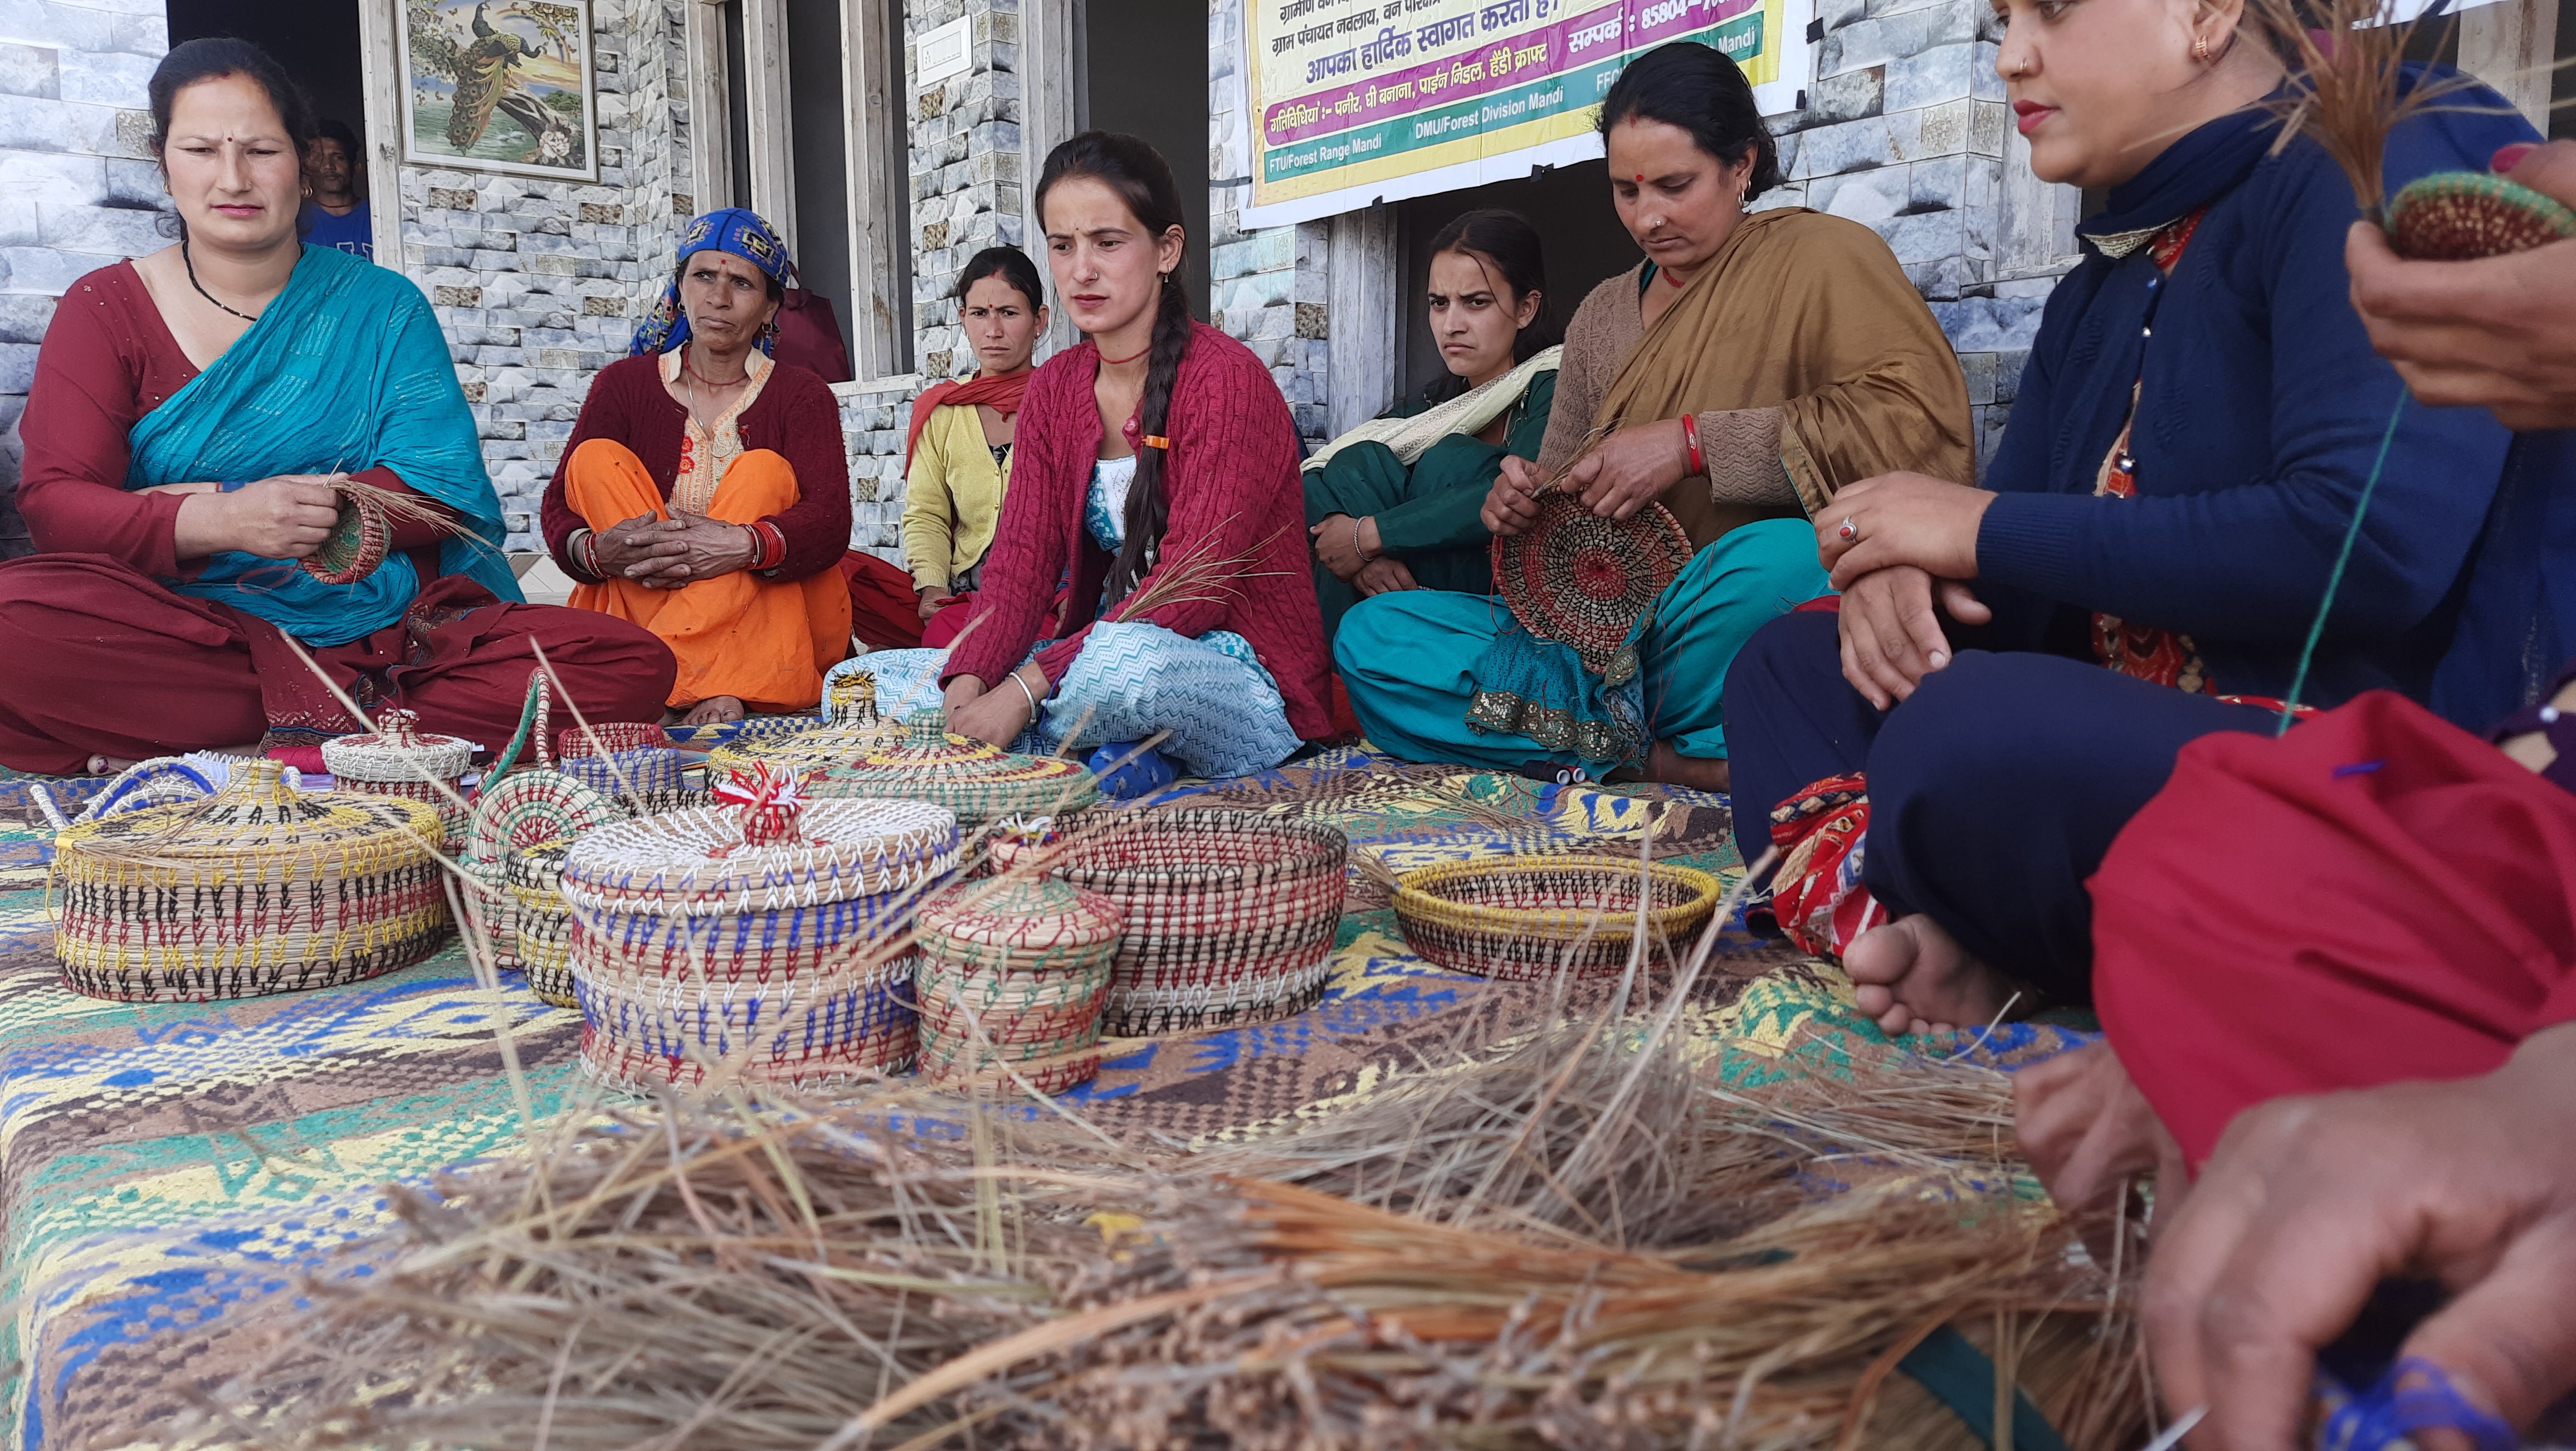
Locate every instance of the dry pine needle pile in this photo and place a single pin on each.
(1571, 1236)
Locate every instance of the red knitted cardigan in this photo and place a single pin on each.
(1231, 482)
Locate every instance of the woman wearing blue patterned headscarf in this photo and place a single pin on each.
(705, 494)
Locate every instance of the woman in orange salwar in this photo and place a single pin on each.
(704, 493)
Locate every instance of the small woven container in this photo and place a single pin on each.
(397, 759)
(1015, 971)
(488, 901)
(542, 923)
(1229, 917)
(160, 781)
(1530, 918)
(981, 784)
(2462, 216)
(254, 890)
(751, 936)
(356, 544)
(624, 760)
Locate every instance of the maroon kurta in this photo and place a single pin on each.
(103, 660)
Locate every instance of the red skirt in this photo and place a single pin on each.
(104, 661)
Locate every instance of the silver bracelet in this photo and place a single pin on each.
(1035, 710)
(1357, 552)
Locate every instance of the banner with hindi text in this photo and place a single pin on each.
(1358, 101)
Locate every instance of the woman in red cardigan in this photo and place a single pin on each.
(704, 493)
(1156, 462)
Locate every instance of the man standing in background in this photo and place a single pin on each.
(335, 213)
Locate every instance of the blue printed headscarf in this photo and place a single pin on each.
(738, 230)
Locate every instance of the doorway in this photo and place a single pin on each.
(1145, 73)
(315, 41)
(1579, 237)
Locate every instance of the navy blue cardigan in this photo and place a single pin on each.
(2261, 409)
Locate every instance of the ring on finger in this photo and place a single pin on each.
(1848, 530)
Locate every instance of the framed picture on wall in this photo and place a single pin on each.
(500, 85)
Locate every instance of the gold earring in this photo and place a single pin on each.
(2200, 48)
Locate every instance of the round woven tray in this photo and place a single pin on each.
(1228, 916)
(160, 781)
(2461, 216)
(1525, 918)
(356, 544)
(527, 807)
(807, 751)
(981, 784)
(1578, 577)
(1014, 971)
(695, 863)
(254, 890)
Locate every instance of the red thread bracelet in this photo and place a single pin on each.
(1690, 436)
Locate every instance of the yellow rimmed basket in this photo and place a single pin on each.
(1529, 918)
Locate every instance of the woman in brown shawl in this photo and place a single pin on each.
(1751, 366)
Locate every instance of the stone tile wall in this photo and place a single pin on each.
(874, 419)
(78, 187)
(539, 283)
(965, 170)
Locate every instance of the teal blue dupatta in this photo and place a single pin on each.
(345, 370)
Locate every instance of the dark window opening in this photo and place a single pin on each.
(1579, 236)
(819, 155)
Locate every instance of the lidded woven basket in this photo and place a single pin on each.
(760, 934)
(2463, 216)
(1528, 918)
(978, 782)
(1014, 971)
(807, 751)
(397, 758)
(634, 763)
(256, 889)
(1229, 917)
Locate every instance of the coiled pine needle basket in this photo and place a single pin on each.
(256, 889)
(1229, 917)
(1014, 972)
(1529, 918)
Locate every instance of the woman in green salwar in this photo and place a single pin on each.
(1397, 503)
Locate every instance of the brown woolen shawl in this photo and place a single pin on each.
(1811, 315)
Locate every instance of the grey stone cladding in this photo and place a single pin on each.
(78, 188)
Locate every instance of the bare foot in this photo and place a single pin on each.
(1916, 978)
(1670, 767)
(714, 710)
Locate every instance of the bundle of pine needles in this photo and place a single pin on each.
(2347, 88)
(1571, 1237)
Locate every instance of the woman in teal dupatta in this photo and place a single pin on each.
(1396, 503)
(194, 417)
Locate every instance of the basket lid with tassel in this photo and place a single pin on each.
(764, 846)
(258, 888)
(980, 783)
(397, 750)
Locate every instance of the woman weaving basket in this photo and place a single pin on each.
(1398, 502)
(1752, 366)
(1156, 462)
(705, 493)
(2199, 423)
(201, 419)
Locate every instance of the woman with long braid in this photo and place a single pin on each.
(1157, 464)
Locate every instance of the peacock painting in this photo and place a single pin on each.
(500, 86)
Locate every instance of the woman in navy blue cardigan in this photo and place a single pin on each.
(1945, 759)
